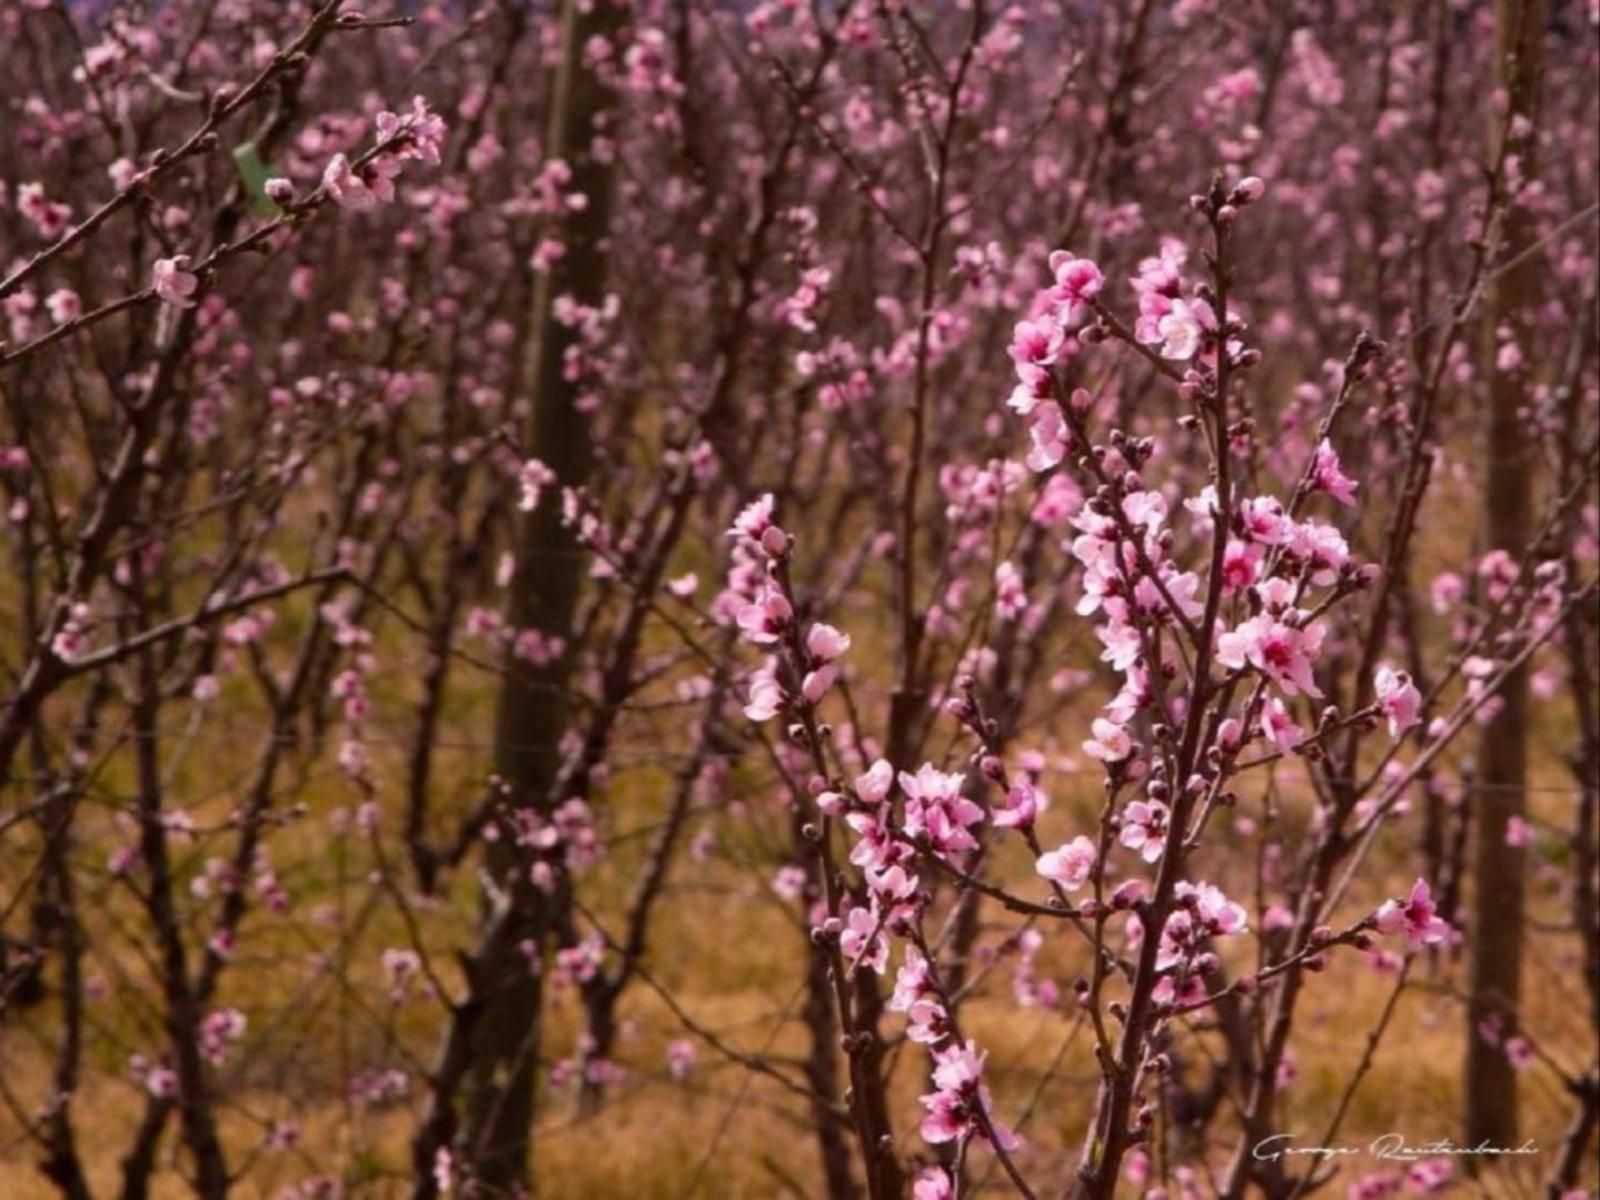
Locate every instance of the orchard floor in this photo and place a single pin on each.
(723, 1133)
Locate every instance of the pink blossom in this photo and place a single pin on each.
(1070, 864)
(766, 699)
(1249, 189)
(862, 939)
(345, 185)
(161, 1082)
(1036, 343)
(1276, 919)
(936, 809)
(825, 643)
(174, 284)
(915, 995)
(1183, 327)
(1279, 726)
(1398, 699)
(1009, 598)
(219, 1031)
(1180, 988)
(814, 686)
(49, 217)
(1050, 436)
(1430, 1175)
(1415, 915)
(1446, 591)
(872, 787)
(444, 1169)
(1218, 915)
(1145, 510)
(933, 1184)
(1034, 386)
(1520, 1053)
(533, 646)
(1078, 280)
(1136, 1169)
(64, 305)
(1264, 520)
(402, 966)
(1241, 565)
(954, 1108)
(764, 621)
(1321, 545)
(534, 477)
(1281, 652)
(1021, 808)
(754, 519)
(789, 882)
(1110, 743)
(1327, 475)
(1144, 828)
(424, 130)
(1518, 832)
(71, 642)
(681, 1057)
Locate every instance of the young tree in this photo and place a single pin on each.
(1499, 864)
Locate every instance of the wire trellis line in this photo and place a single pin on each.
(337, 734)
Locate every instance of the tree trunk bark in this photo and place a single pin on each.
(1496, 926)
(532, 713)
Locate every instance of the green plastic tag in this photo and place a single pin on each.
(255, 174)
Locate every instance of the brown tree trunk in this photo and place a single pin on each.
(1495, 933)
(532, 716)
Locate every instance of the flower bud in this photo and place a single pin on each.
(1247, 191)
(1128, 894)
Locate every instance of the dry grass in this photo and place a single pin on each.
(726, 952)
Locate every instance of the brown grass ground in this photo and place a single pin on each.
(727, 955)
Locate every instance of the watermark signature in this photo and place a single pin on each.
(1387, 1147)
